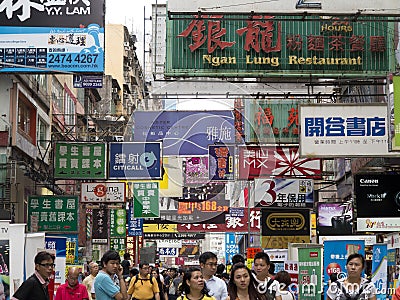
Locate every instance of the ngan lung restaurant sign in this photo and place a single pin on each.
(256, 45)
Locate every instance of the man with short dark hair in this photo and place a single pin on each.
(143, 286)
(35, 287)
(72, 289)
(264, 283)
(104, 285)
(208, 265)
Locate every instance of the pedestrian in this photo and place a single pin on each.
(171, 288)
(156, 274)
(35, 287)
(88, 281)
(126, 265)
(354, 286)
(193, 286)
(285, 282)
(143, 286)
(265, 284)
(238, 258)
(105, 285)
(72, 289)
(241, 284)
(217, 287)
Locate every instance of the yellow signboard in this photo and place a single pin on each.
(281, 242)
(160, 228)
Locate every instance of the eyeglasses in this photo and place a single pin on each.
(212, 264)
(47, 265)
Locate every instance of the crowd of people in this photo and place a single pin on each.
(122, 281)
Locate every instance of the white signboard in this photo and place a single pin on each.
(168, 252)
(347, 130)
(384, 7)
(378, 224)
(103, 192)
(369, 239)
(169, 243)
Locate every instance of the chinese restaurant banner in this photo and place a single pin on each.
(100, 226)
(80, 161)
(279, 222)
(232, 224)
(284, 192)
(221, 162)
(53, 213)
(344, 130)
(335, 218)
(146, 200)
(185, 132)
(262, 161)
(259, 45)
(272, 121)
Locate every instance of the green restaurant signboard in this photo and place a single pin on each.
(146, 200)
(261, 45)
(53, 213)
(80, 161)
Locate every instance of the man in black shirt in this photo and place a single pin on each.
(35, 287)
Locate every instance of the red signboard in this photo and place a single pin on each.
(251, 252)
(260, 161)
(232, 224)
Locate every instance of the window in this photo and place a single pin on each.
(69, 110)
(42, 133)
(26, 118)
(57, 94)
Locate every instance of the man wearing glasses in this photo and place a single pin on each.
(72, 289)
(208, 265)
(35, 287)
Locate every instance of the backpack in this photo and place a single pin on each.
(346, 294)
(141, 279)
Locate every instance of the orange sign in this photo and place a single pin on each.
(252, 251)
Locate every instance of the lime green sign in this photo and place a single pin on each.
(146, 200)
(310, 273)
(117, 222)
(53, 213)
(80, 161)
(260, 45)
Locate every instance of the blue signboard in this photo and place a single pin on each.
(335, 257)
(236, 212)
(379, 270)
(185, 132)
(231, 248)
(135, 160)
(221, 162)
(135, 225)
(168, 252)
(57, 244)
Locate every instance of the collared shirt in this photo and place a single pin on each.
(88, 282)
(142, 288)
(65, 292)
(217, 288)
(35, 287)
(104, 286)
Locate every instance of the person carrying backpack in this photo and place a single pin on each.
(143, 286)
(354, 286)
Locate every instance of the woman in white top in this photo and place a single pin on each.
(285, 281)
(354, 286)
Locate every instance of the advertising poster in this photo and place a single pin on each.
(310, 273)
(135, 160)
(379, 270)
(4, 269)
(335, 218)
(221, 160)
(335, 256)
(58, 245)
(231, 247)
(195, 170)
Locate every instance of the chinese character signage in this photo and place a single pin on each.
(53, 213)
(260, 45)
(50, 36)
(335, 218)
(272, 121)
(221, 162)
(207, 191)
(195, 170)
(279, 222)
(284, 192)
(262, 161)
(168, 252)
(231, 247)
(146, 200)
(118, 244)
(135, 160)
(103, 192)
(118, 222)
(100, 226)
(334, 130)
(80, 161)
(135, 225)
(185, 132)
(310, 273)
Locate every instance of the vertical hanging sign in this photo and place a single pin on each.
(100, 226)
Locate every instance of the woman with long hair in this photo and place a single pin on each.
(285, 281)
(156, 274)
(354, 286)
(193, 286)
(241, 284)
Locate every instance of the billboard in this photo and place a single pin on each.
(221, 159)
(337, 130)
(185, 132)
(55, 36)
(335, 218)
(262, 161)
(284, 192)
(279, 222)
(264, 44)
(103, 192)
